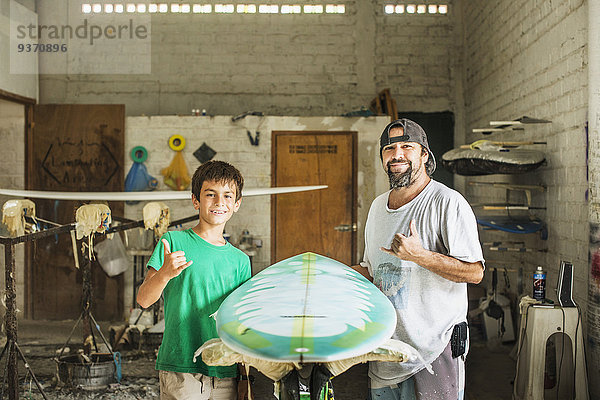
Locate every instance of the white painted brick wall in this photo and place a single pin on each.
(23, 85)
(230, 141)
(414, 57)
(593, 315)
(280, 64)
(12, 176)
(529, 58)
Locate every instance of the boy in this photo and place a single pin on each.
(196, 269)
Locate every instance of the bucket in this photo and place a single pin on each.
(104, 369)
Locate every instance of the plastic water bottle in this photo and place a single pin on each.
(539, 284)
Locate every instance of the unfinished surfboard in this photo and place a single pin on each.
(145, 196)
(523, 224)
(486, 162)
(307, 308)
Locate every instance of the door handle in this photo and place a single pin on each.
(346, 228)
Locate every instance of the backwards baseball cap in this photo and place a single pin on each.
(412, 132)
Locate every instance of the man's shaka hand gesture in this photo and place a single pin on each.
(407, 248)
(173, 263)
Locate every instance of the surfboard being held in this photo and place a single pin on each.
(305, 309)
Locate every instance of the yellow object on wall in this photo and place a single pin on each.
(176, 175)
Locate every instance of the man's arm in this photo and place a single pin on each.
(151, 289)
(409, 248)
(156, 281)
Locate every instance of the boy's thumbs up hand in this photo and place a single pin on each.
(174, 263)
(166, 247)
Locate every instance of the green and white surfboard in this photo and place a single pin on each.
(307, 308)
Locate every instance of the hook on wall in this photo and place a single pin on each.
(253, 140)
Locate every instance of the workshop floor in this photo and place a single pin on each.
(489, 373)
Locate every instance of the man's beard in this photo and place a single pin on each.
(399, 179)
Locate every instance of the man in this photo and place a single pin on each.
(421, 250)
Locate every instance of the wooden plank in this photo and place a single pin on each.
(376, 106)
(73, 148)
(16, 98)
(387, 100)
(394, 114)
(384, 104)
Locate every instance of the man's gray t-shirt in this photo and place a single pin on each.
(427, 305)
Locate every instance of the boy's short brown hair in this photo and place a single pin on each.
(217, 171)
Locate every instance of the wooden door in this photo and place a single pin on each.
(72, 148)
(322, 221)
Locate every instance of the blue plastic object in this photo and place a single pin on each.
(139, 180)
(514, 224)
(117, 358)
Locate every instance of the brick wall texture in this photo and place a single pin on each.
(530, 60)
(306, 64)
(12, 176)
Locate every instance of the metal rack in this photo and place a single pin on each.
(140, 259)
(9, 243)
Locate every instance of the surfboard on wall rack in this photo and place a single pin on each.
(307, 308)
(506, 207)
(472, 162)
(484, 157)
(526, 189)
(514, 224)
(517, 124)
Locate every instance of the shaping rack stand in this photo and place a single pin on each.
(11, 348)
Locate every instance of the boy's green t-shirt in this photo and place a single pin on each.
(192, 297)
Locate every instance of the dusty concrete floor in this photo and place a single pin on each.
(489, 373)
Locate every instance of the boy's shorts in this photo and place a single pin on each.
(446, 383)
(188, 386)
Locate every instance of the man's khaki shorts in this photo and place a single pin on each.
(184, 386)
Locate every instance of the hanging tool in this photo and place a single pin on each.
(253, 140)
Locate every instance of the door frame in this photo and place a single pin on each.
(28, 104)
(354, 139)
(30, 278)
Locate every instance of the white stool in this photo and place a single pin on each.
(538, 323)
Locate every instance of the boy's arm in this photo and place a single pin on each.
(155, 281)
(151, 289)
